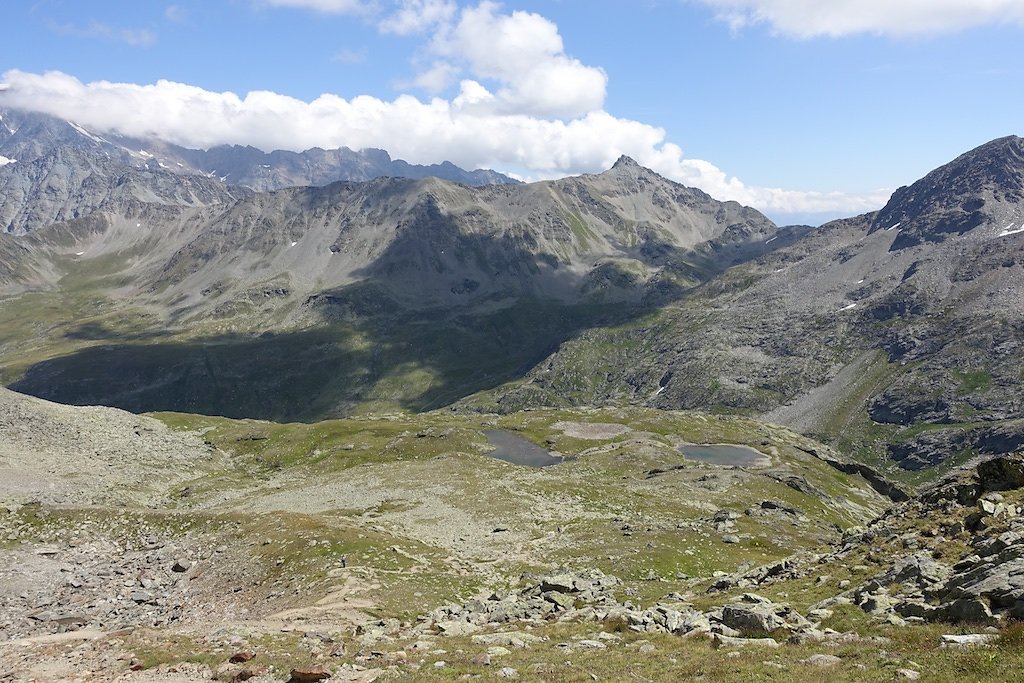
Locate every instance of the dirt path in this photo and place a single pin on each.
(340, 610)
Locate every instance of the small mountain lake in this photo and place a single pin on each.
(517, 450)
(725, 454)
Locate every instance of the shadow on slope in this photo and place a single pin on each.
(411, 361)
(445, 311)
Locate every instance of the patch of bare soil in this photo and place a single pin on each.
(596, 431)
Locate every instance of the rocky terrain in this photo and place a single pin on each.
(395, 548)
(373, 280)
(58, 170)
(60, 455)
(398, 422)
(893, 336)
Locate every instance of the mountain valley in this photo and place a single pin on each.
(249, 429)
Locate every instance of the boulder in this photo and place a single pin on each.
(562, 600)
(727, 641)
(968, 639)
(920, 568)
(1002, 473)
(309, 674)
(822, 661)
(758, 618)
(456, 628)
(560, 583)
(967, 610)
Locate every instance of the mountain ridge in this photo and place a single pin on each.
(893, 342)
(76, 162)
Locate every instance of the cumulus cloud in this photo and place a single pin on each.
(466, 129)
(811, 18)
(520, 55)
(523, 55)
(417, 16)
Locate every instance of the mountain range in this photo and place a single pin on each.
(286, 286)
(56, 170)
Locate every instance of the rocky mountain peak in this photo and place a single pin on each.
(625, 162)
(983, 187)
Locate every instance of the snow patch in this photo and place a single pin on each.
(138, 225)
(4, 161)
(769, 241)
(860, 282)
(180, 164)
(83, 131)
(79, 253)
(144, 154)
(294, 243)
(847, 308)
(1010, 231)
(895, 225)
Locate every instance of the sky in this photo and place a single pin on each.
(804, 109)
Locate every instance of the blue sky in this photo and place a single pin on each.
(801, 108)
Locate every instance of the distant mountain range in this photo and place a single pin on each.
(47, 160)
(248, 284)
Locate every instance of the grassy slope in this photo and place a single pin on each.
(599, 510)
(590, 500)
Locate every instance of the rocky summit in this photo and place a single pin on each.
(330, 416)
(893, 335)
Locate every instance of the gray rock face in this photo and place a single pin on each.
(261, 171)
(975, 190)
(919, 322)
(390, 257)
(926, 299)
(752, 618)
(62, 171)
(983, 586)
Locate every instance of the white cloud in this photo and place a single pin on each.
(520, 55)
(137, 37)
(810, 18)
(325, 6)
(523, 54)
(437, 78)
(417, 16)
(466, 130)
